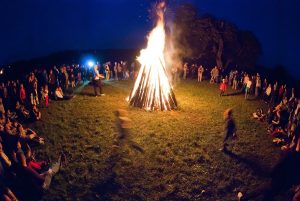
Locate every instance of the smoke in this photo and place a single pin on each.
(175, 50)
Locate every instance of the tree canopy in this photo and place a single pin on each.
(213, 41)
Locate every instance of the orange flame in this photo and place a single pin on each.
(152, 89)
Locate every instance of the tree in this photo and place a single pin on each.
(204, 36)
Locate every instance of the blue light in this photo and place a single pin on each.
(91, 64)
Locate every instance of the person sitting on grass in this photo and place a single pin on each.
(11, 115)
(259, 114)
(6, 194)
(296, 196)
(39, 181)
(22, 113)
(294, 146)
(281, 119)
(35, 113)
(59, 94)
(29, 135)
(2, 110)
(5, 163)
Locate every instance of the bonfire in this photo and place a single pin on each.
(152, 89)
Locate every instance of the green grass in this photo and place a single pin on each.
(181, 159)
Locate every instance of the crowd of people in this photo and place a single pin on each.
(283, 105)
(283, 113)
(20, 103)
(21, 99)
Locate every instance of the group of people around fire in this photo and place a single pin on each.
(21, 99)
(20, 103)
(283, 105)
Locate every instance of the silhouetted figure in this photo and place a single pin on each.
(230, 128)
(124, 125)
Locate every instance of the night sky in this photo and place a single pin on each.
(31, 28)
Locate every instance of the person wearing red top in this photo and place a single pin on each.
(22, 94)
(223, 87)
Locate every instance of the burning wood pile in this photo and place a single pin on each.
(152, 89)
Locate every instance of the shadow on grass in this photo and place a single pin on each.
(254, 165)
(86, 93)
(106, 187)
(283, 176)
(234, 93)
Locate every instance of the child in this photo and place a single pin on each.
(230, 128)
(46, 96)
(223, 87)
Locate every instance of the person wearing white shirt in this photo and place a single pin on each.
(247, 90)
(97, 81)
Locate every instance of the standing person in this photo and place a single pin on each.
(217, 75)
(265, 85)
(52, 82)
(223, 87)
(185, 68)
(116, 70)
(274, 93)
(235, 82)
(247, 89)
(245, 81)
(253, 86)
(46, 96)
(200, 73)
(174, 74)
(230, 128)
(231, 74)
(22, 96)
(35, 95)
(257, 86)
(72, 78)
(107, 71)
(120, 73)
(268, 93)
(97, 81)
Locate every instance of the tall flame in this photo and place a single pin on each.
(152, 89)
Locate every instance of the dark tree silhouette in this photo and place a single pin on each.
(199, 37)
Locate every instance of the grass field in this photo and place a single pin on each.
(181, 160)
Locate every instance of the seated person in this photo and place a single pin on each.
(11, 115)
(294, 145)
(35, 113)
(2, 110)
(6, 194)
(5, 163)
(22, 112)
(59, 94)
(259, 114)
(281, 119)
(29, 135)
(2, 120)
(31, 176)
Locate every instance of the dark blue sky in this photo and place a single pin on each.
(31, 28)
